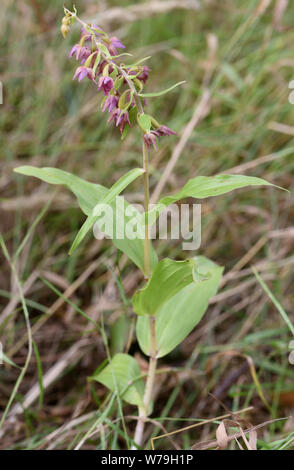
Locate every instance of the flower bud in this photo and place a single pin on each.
(66, 20)
(105, 72)
(138, 84)
(133, 70)
(125, 100)
(154, 123)
(150, 139)
(90, 59)
(65, 30)
(106, 84)
(82, 40)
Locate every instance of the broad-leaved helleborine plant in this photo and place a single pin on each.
(175, 294)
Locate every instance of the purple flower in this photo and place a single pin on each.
(120, 118)
(83, 72)
(150, 139)
(75, 50)
(115, 44)
(85, 34)
(110, 103)
(144, 74)
(98, 32)
(114, 115)
(101, 67)
(81, 52)
(105, 83)
(164, 130)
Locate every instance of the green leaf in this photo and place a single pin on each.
(159, 93)
(121, 184)
(202, 187)
(96, 63)
(125, 132)
(118, 83)
(85, 228)
(123, 376)
(119, 334)
(111, 194)
(168, 278)
(144, 122)
(87, 195)
(177, 317)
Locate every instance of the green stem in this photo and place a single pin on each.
(152, 365)
(144, 410)
(121, 70)
(146, 208)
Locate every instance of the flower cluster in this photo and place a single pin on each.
(121, 84)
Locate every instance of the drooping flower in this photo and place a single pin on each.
(101, 69)
(110, 103)
(105, 84)
(150, 139)
(85, 34)
(151, 136)
(123, 120)
(82, 72)
(164, 130)
(143, 76)
(81, 52)
(114, 44)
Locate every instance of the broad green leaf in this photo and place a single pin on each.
(168, 278)
(119, 334)
(87, 195)
(121, 184)
(108, 198)
(163, 92)
(202, 187)
(177, 317)
(123, 376)
(123, 215)
(87, 225)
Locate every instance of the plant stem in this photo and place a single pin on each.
(146, 208)
(152, 365)
(144, 411)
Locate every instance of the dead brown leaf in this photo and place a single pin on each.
(222, 436)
